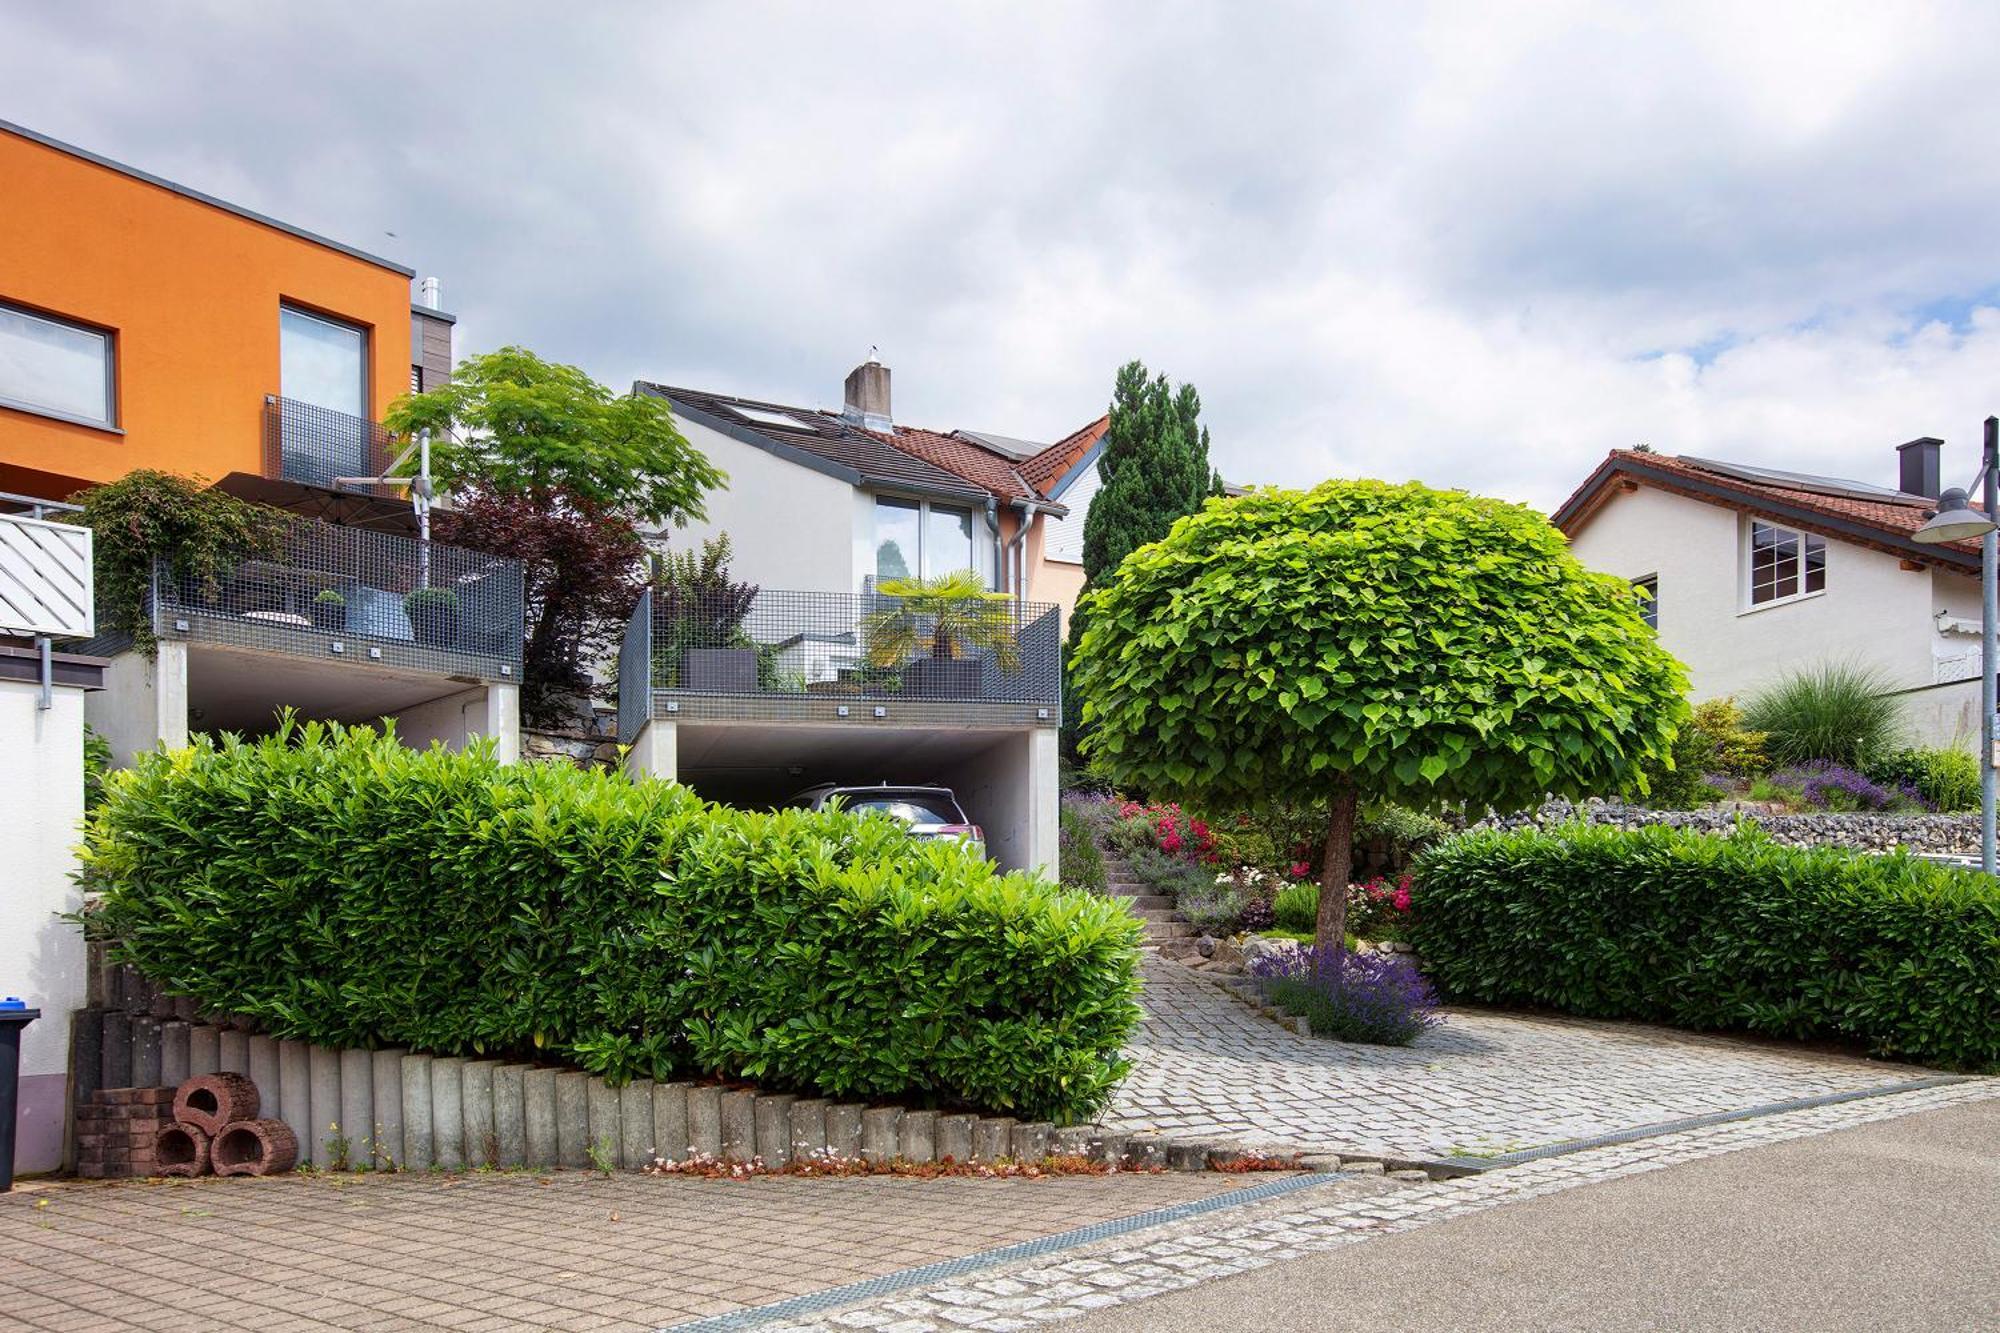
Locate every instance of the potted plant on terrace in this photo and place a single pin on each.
(329, 610)
(699, 629)
(935, 629)
(433, 614)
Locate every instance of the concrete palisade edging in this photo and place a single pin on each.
(390, 1109)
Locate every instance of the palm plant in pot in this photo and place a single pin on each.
(938, 629)
(433, 614)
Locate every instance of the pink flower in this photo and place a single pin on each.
(1300, 870)
(1401, 900)
(1199, 829)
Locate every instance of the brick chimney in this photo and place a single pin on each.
(865, 400)
(1917, 467)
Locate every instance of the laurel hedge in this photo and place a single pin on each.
(335, 887)
(1895, 953)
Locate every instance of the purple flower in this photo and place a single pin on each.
(1379, 998)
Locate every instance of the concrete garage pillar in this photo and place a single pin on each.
(1011, 789)
(42, 957)
(492, 710)
(144, 703)
(655, 752)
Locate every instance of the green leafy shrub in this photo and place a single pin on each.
(96, 763)
(1944, 779)
(339, 888)
(1714, 741)
(1082, 864)
(1667, 925)
(1837, 711)
(147, 516)
(1297, 907)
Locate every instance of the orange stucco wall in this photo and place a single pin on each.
(191, 293)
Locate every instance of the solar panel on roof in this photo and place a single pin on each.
(1802, 481)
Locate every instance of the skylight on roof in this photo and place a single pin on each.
(765, 416)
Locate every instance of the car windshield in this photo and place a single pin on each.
(910, 807)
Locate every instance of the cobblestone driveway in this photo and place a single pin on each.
(1207, 1063)
(505, 1252)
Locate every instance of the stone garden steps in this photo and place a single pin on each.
(1156, 910)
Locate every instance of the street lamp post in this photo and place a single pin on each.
(1956, 520)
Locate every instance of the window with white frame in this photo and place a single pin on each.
(1649, 599)
(1784, 563)
(920, 538)
(56, 367)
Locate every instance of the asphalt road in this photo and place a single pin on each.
(1890, 1226)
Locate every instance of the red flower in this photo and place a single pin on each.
(1199, 829)
(1401, 900)
(1300, 870)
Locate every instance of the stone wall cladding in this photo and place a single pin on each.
(1938, 835)
(569, 747)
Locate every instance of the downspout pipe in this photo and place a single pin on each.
(1018, 548)
(999, 551)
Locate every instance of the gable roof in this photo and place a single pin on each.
(815, 439)
(1049, 469)
(1868, 516)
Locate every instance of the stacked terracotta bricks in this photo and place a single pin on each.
(116, 1131)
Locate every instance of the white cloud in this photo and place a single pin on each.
(1478, 246)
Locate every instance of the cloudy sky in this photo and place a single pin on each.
(1474, 246)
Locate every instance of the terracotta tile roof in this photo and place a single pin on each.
(992, 472)
(1048, 467)
(1886, 523)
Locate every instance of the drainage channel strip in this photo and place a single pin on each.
(1475, 1165)
(889, 1284)
(798, 1307)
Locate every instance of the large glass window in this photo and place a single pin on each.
(322, 362)
(1784, 563)
(916, 538)
(51, 365)
(323, 375)
(898, 538)
(947, 541)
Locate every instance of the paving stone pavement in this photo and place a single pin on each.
(1132, 1268)
(506, 1252)
(1207, 1063)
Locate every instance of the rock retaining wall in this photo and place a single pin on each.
(1932, 834)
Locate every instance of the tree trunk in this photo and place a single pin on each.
(1336, 868)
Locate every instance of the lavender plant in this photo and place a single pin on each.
(1376, 998)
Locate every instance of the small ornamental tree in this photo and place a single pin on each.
(1367, 640)
(543, 463)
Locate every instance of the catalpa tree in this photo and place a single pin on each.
(1368, 640)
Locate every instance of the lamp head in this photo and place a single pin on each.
(1955, 521)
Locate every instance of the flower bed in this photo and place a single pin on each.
(1376, 998)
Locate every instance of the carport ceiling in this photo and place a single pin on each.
(238, 691)
(860, 750)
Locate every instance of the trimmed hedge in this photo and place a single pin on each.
(1708, 932)
(339, 888)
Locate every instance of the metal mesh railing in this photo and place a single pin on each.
(773, 645)
(329, 591)
(635, 685)
(317, 446)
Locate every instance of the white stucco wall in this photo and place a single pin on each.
(144, 703)
(485, 710)
(41, 957)
(791, 527)
(1873, 612)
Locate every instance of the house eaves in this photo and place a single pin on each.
(1622, 471)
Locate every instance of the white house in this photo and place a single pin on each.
(1756, 573)
(822, 509)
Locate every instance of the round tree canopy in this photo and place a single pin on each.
(1423, 646)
